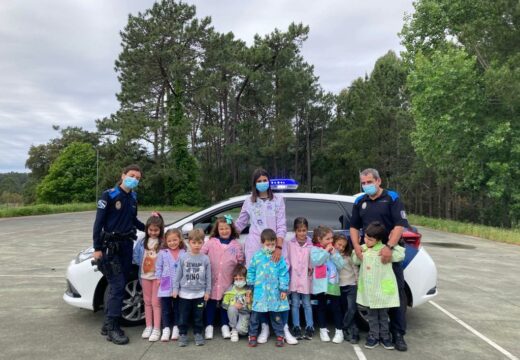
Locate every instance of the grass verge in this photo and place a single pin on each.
(511, 236)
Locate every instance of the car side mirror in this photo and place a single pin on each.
(186, 228)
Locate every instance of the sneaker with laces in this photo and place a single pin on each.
(208, 333)
(338, 336)
(297, 332)
(279, 341)
(289, 338)
(155, 335)
(309, 333)
(165, 334)
(399, 343)
(371, 342)
(324, 335)
(234, 335)
(253, 342)
(199, 339)
(147, 332)
(387, 344)
(175, 333)
(226, 333)
(183, 340)
(264, 334)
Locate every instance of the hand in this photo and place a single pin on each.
(248, 297)
(386, 255)
(98, 254)
(283, 295)
(239, 305)
(174, 294)
(359, 253)
(277, 253)
(330, 248)
(206, 297)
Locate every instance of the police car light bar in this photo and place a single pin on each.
(283, 184)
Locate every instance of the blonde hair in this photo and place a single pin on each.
(196, 235)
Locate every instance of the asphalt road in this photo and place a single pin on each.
(475, 316)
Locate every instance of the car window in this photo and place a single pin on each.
(206, 223)
(317, 212)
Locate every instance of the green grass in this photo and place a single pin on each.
(511, 236)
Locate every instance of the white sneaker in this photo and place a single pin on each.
(155, 336)
(338, 337)
(226, 333)
(147, 332)
(289, 339)
(234, 335)
(324, 335)
(165, 334)
(208, 334)
(175, 332)
(264, 334)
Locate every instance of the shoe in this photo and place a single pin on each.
(289, 338)
(115, 334)
(226, 333)
(165, 334)
(399, 343)
(324, 335)
(264, 334)
(253, 342)
(104, 328)
(234, 335)
(175, 333)
(338, 337)
(147, 332)
(199, 339)
(208, 333)
(279, 341)
(387, 344)
(309, 333)
(183, 340)
(354, 339)
(297, 332)
(371, 342)
(155, 336)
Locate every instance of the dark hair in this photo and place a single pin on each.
(177, 232)
(256, 174)
(319, 232)
(240, 270)
(267, 234)
(377, 231)
(348, 248)
(300, 221)
(222, 220)
(156, 220)
(132, 167)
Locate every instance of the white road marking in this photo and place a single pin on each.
(359, 352)
(475, 332)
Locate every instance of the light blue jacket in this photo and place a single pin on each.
(326, 268)
(165, 270)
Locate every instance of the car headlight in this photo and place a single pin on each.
(85, 255)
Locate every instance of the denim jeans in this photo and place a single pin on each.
(307, 309)
(211, 311)
(378, 323)
(398, 314)
(169, 312)
(349, 308)
(276, 322)
(187, 308)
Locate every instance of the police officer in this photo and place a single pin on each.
(378, 204)
(114, 232)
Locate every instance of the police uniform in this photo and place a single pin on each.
(116, 217)
(389, 211)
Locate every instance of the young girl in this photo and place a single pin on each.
(165, 270)
(348, 287)
(224, 252)
(298, 251)
(145, 255)
(326, 261)
(377, 286)
(270, 282)
(237, 302)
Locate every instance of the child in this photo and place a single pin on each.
(193, 285)
(165, 270)
(145, 255)
(348, 275)
(298, 251)
(377, 286)
(224, 252)
(325, 281)
(270, 282)
(237, 302)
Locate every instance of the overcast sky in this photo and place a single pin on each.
(57, 56)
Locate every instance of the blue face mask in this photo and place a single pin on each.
(262, 186)
(130, 182)
(370, 189)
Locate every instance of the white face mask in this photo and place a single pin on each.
(269, 249)
(240, 283)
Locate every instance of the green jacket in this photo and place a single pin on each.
(235, 295)
(377, 287)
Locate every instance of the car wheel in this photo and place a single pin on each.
(132, 311)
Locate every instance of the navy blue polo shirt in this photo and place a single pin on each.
(116, 212)
(387, 209)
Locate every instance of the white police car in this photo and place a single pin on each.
(87, 288)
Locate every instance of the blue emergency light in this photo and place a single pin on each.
(282, 185)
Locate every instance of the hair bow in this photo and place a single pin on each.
(155, 214)
(229, 219)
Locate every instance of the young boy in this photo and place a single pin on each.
(193, 285)
(270, 282)
(377, 286)
(237, 302)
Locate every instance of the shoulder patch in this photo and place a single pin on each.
(359, 198)
(101, 204)
(113, 192)
(393, 194)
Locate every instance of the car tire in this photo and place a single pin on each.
(132, 311)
